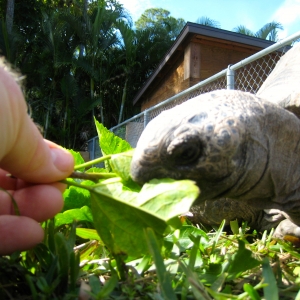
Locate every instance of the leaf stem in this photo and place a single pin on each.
(92, 176)
(92, 162)
(91, 187)
(73, 183)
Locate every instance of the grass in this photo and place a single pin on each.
(192, 264)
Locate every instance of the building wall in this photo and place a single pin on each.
(197, 62)
(169, 85)
(214, 59)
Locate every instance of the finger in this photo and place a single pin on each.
(35, 160)
(18, 233)
(23, 152)
(8, 182)
(39, 202)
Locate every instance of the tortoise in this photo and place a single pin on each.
(241, 149)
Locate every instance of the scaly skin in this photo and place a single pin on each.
(233, 145)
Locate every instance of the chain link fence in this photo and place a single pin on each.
(251, 77)
(248, 75)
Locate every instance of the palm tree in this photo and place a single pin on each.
(268, 32)
(130, 48)
(55, 72)
(10, 8)
(208, 22)
(97, 36)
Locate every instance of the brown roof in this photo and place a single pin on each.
(197, 32)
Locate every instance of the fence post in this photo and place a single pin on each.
(230, 78)
(146, 118)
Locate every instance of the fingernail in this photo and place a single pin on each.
(62, 159)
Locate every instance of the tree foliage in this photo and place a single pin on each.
(83, 59)
(160, 21)
(268, 32)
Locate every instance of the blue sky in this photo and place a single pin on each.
(229, 13)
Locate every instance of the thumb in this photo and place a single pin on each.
(23, 152)
(34, 159)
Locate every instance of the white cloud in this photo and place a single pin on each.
(288, 14)
(136, 7)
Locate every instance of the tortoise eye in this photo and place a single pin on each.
(186, 147)
(186, 153)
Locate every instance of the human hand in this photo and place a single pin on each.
(36, 166)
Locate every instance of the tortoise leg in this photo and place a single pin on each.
(287, 228)
(213, 212)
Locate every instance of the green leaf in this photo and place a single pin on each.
(192, 279)
(144, 264)
(217, 236)
(120, 164)
(63, 257)
(79, 214)
(184, 240)
(298, 296)
(121, 225)
(78, 160)
(75, 197)
(193, 253)
(114, 188)
(168, 198)
(234, 226)
(219, 282)
(110, 143)
(95, 284)
(74, 269)
(161, 272)
(271, 290)
(108, 287)
(86, 233)
(121, 216)
(242, 261)
(253, 294)
(95, 170)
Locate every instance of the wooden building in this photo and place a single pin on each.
(198, 53)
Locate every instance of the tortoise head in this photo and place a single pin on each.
(201, 140)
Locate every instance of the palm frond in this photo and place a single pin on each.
(269, 31)
(208, 22)
(243, 30)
